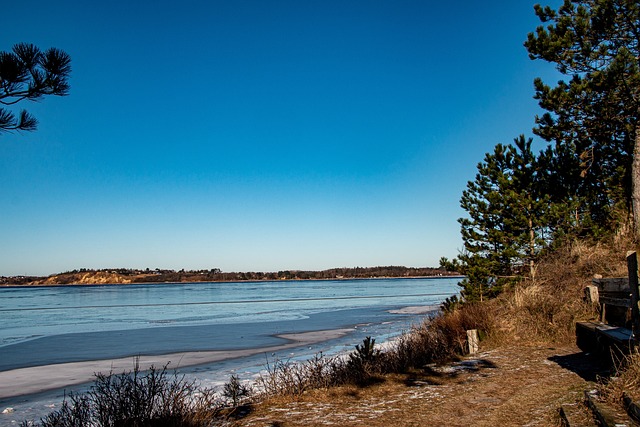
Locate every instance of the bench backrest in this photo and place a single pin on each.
(618, 297)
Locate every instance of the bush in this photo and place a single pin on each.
(364, 363)
(136, 399)
(235, 391)
(294, 378)
(450, 304)
(440, 339)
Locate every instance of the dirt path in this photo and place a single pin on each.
(516, 386)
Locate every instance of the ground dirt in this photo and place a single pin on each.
(508, 386)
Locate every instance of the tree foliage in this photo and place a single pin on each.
(593, 118)
(510, 219)
(27, 73)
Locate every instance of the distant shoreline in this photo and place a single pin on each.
(79, 284)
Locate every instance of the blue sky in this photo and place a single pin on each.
(259, 135)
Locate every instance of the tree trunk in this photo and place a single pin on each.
(635, 184)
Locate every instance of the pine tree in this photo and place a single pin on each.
(27, 73)
(594, 117)
(510, 220)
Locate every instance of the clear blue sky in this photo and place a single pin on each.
(259, 135)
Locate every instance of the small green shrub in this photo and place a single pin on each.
(365, 353)
(363, 362)
(450, 304)
(235, 391)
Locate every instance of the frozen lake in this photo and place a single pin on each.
(55, 325)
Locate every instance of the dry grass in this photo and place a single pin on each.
(442, 338)
(508, 386)
(626, 381)
(544, 309)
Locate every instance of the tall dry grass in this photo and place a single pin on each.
(545, 308)
(442, 338)
(625, 382)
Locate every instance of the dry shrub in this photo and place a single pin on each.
(542, 313)
(283, 377)
(137, 399)
(292, 378)
(438, 340)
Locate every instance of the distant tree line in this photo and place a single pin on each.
(586, 182)
(217, 275)
(18, 280)
(334, 273)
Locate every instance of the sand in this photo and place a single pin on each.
(24, 381)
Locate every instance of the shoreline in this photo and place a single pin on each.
(56, 285)
(38, 379)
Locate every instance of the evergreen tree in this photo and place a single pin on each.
(27, 73)
(510, 220)
(594, 118)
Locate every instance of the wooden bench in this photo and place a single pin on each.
(614, 300)
(617, 301)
